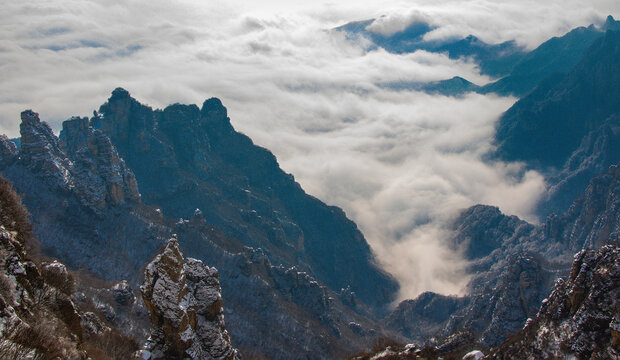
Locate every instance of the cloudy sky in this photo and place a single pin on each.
(401, 163)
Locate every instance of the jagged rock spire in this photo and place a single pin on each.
(185, 302)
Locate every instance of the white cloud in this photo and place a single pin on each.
(528, 22)
(400, 163)
(398, 21)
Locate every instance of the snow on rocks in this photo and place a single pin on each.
(185, 303)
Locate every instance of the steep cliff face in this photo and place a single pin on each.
(84, 200)
(101, 176)
(594, 217)
(186, 157)
(581, 316)
(40, 151)
(184, 299)
(598, 150)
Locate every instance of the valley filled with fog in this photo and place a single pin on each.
(400, 162)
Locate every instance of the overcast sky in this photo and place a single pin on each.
(400, 163)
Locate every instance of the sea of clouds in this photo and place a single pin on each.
(401, 163)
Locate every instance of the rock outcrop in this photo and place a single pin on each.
(8, 151)
(184, 299)
(101, 176)
(83, 161)
(83, 199)
(37, 317)
(40, 151)
(580, 317)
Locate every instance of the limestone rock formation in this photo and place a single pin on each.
(83, 161)
(81, 196)
(185, 302)
(8, 151)
(101, 176)
(580, 317)
(40, 150)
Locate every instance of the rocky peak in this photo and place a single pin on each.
(100, 175)
(8, 151)
(611, 24)
(186, 158)
(126, 121)
(74, 133)
(217, 115)
(40, 150)
(185, 302)
(481, 229)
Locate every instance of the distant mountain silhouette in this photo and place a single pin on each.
(493, 59)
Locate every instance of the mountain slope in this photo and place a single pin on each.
(186, 158)
(546, 126)
(87, 211)
(556, 55)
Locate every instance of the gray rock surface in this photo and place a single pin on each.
(184, 299)
(100, 175)
(580, 317)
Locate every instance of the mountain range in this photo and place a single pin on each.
(170, 232)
